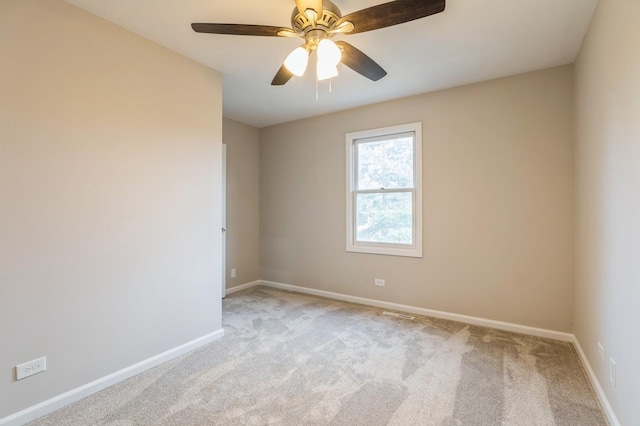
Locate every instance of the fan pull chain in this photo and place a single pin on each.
(316, 88)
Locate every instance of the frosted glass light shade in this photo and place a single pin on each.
(329, 52)
(326, 70)
(297, 61)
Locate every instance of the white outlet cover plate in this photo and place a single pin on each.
(601, 352)
(612, 371)
(379, 282)
(30, 368)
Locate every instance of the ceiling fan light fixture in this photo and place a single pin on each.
(297, 61)
(326, 71)
(329, 53)
(316, 21)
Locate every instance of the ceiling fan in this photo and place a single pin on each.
(317, 21)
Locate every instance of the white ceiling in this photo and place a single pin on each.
(471, 41)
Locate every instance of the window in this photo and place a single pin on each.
(384, 191)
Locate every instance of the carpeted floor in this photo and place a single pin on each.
(292, 359)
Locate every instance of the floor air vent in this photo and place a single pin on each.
(397, 315)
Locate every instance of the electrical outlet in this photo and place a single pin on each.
(612, 372)
(30, 368)
(233, 272)
(379, 282)
(600, 352)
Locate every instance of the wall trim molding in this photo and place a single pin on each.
(64, 399)
(611, 415)
(241, 287)
(516, 328)
(74, 395)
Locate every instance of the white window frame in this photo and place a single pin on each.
(413, 250)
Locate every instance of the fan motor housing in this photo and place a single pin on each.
(330, 16)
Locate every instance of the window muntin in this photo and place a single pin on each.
(384, 200)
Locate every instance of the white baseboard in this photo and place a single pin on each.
(611, 415)
(243, 287)
(62, 400)
(74, 395)
(515, 328)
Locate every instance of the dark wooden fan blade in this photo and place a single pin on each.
(359, 62)
(282, 76)
(239, 29)
(303, 5)
(392, 13)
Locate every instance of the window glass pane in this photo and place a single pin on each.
(385, 163)
(384, 217)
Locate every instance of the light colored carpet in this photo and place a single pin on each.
(293, 359)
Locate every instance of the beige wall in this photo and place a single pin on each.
(498, 202)
(110, 187)
(110, 171)
(607, 303)
(243, 202)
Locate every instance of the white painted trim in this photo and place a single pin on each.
(242, 287)
(62, 400)
(515, 328)
(611, 415)
(224, 220)
(74, 395)
(351, 139)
